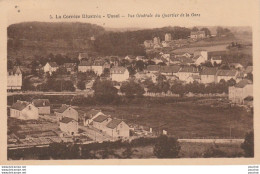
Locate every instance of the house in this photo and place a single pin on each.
(240, 91)
(200, 56)
(249, 69)
(197, 35)
(165, 44)
(148, 43)
(117, 129)
(208, 75)
(101, 121)
(156, 40)
(70, 67)
(24, 111)
(152, 69)
(237, 66)
(186, 72)
(140, 58)
(68, 126)
(226, 75)
(249, 101)
(43, 106)
(168, 37)
(83, 56)
(130, 58)
(193, 78)
(119, 74)
(66, 111)
(50, 67)
(170, 70)
(97, 67)
(90, 116)
(216, 60)
(84, 66)
(14, 79)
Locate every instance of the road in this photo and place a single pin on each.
(87, 92)
(95, 135)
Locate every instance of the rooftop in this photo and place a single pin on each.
(114, 123)
(41, 102)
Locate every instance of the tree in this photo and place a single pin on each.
(178, 88)
(250, 76)
(128, 152)
(194, 29)
(248, 144)
(139, 65)
(10, 64)
(231, 82)
(207, 31)
(166, 147)
(104, 91)
(81, 85)
(132, 89)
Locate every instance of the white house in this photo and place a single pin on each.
(117, 129)
(84, 66)
(216, 60)
(200, 57)
(50, 67)
(14, 79)
(208, 75)
(24, 111)
(119, 74)
(240, 91)
(66, 111)
(226, 75)
(186, 72)
(43, 105)
(197, 35)
(91, 115)
(170, 70)
(68, 126)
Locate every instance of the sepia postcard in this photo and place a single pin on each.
(129, 82)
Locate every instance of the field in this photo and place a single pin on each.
(184, 119)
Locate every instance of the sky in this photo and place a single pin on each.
(212, 12)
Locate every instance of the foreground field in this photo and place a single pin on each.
(185, 119)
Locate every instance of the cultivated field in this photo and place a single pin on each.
(185, 119)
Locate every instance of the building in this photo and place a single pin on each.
(148, 43)
(84, 66)
(66, 111)
(24, 111)
(237, 66)
(117, 129)
(216, 60)
(197, 35)
(101, 121)
(50, 67)
(240, 91)
(168, 37)
(43, 105)
(14, 79)
(226, 75)
(70, 67)
(119, 74)
(156, 41)
(170, 70)
(90, 116)
(186, 72)
(249, 69)
(83, 56)
(200, 56)
(152, 69)
(208, 75)
(68, 126)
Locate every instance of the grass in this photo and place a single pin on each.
(184, 120)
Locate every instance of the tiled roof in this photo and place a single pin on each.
(69, 65)
(15, 70)
(114, 123)
(170, 69)
(100, 118)
(53, 64)
(153, 68)
(85, 63)
(226, 72)
(208, 71)
(66, 120)
(41, 102)
(243, 83)
(118, 70)
(93, 112)
(216, 58)
(20, 105)
(63, 108)
(189, 69)
(249, 69)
